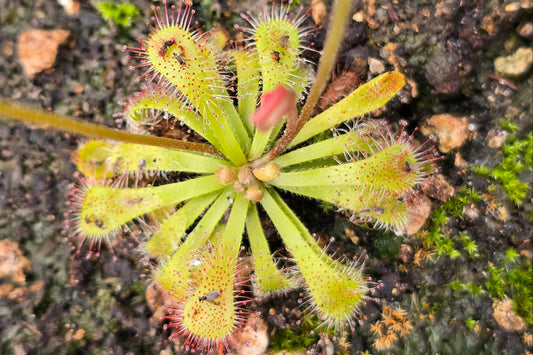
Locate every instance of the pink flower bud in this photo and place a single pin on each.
(274, 106)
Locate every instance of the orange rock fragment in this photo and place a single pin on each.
(418, 210)
(319, 12)
(71, 7)
(37, 49)
(12, 263)
(252, 339)
(506, 316)
(451, 131)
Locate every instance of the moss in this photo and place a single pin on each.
(471, 323)
(457, 286)
(520, 284)
(515, 281)
(474, 289)
(517, 157)
(511, 255)
(465, 196)
(469, 245)
(292, 340)
(481, 170)
(445, 245)
(495, 284)
(435, 238)
(121, 14)
(439, 218)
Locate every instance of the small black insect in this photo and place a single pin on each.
(284, 41)
(99, 223)
(275, 55)
(165, 47)
(210, 297)
(132, 201)
(376, 209)
(408, 167)
(179, 58)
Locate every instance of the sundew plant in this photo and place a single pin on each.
(256, 141)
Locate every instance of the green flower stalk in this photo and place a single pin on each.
(250, 151)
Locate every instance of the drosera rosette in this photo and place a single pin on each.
(250, 151)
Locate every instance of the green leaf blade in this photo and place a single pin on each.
(368, 97)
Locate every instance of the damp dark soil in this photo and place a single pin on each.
(463, 279)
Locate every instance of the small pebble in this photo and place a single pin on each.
(443, 71)
(512, 7)
(418, 210)
(505, 315)
(496, 137)
(516, 64)
(253, 338)
(525, 29)
(487, 23)
(359, 16)
(329, 348)
(71, 7)
(438, 188)
(13, 263)
(451, 131)
(375, 66)
(7, 48)
(74, 335)
(459, 161)
(447, 7)
(471, 213)
(319, 12)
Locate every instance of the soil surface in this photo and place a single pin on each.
(460, 285)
